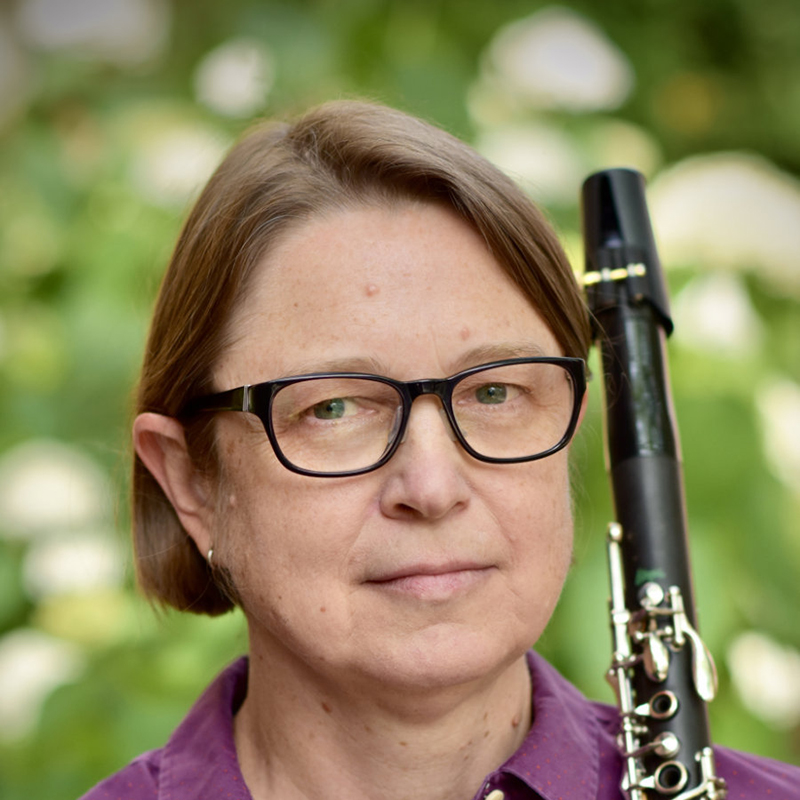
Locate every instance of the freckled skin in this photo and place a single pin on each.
(306, 543)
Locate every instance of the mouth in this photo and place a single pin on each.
(426, 582)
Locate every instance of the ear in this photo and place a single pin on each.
(160, 442)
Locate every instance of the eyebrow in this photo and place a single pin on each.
(482, 354)
(365, 364)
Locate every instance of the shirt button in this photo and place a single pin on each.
(495, 795)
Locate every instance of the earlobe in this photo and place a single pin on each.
(160, 443)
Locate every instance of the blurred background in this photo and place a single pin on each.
(114, 112)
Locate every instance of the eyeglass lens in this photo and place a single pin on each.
(337, 424)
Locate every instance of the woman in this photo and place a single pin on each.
(397, 541)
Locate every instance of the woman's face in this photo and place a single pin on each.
(435, 569)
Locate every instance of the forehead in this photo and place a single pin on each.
(410, 286)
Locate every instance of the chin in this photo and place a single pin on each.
(444, 656)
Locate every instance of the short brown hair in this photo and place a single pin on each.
(339, 155)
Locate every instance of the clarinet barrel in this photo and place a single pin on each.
(661, 671)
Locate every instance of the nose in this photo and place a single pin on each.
(425, 479)
(445, 421)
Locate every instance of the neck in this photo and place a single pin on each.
(298, 739)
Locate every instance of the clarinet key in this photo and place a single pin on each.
(655, 656)
(663, 705)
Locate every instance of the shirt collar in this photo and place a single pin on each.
(199, 761)
(560, 756)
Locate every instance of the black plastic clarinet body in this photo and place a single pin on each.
(661, 670)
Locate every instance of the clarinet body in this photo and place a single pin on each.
(661, 671)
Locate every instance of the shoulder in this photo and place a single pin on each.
(199, 760)
(753, 776)
(137, 781)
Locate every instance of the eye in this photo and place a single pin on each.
(334, 408)
(492, 393)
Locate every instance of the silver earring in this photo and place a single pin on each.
(210, 554)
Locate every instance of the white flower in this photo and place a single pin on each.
(173, 164)
(730, 211)
(556, 58)
(32, 664)
(70, 564)
(779, 408)
(767, 676)
(714, 313)
(119, 31)
(538, 156)
(47, 487)
(235, 78)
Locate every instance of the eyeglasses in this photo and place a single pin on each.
(338, 424)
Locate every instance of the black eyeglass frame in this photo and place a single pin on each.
(257, 399)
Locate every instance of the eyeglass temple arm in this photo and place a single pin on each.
(232, 400)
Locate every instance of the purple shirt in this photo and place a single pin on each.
(568, 754)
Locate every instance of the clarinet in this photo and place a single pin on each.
(661, 672)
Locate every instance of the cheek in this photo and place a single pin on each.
(539, 533)
(542, 533)
(282, 534)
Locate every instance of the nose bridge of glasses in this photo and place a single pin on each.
(439, 388)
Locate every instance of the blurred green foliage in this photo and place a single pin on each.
(84, 239)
